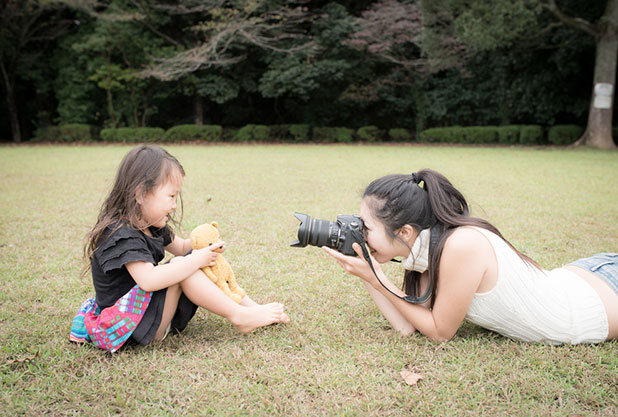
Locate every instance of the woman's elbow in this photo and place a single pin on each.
(406, 331)
(442, 336)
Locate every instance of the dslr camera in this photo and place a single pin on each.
(339, 235)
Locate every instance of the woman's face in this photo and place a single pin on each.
(383, 246)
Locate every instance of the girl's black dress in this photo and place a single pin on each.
(120, 244)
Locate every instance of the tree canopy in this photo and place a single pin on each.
(410, 64)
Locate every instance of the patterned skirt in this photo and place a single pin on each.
(110, 328)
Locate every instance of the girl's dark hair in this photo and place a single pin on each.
(142, 170)
(397, 200)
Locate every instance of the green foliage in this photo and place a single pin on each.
(132, 134)
(489, 25)
(299, 132)
(370, 134)
(480, 134)
(215, 87)
(452, 134)
(564, 134)
(333, 134)
(78, 98)
(508, 135)
(279, 133)
(90, 74)
(67, 133)
(399, 135)
(296, 77)
(289, 133)
(187, 133)
(258, 133)
(531, 135)
(458, 134)
(228, 133)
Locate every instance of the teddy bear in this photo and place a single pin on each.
(221, 273)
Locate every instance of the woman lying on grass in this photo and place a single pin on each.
(460, 267)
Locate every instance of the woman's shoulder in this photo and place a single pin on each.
(468, 241)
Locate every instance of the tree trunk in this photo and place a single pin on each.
(15, 129)
(10, 103)
(110, 106)
(420, 105)
(144, 108)
(598, 132)
(199, 109)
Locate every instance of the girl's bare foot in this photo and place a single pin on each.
(250, 318)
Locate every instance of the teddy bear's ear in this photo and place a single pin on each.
(215, 225)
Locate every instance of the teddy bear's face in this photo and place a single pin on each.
(205, 235)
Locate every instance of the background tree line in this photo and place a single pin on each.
(413, 64)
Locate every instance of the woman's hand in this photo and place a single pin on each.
(356, 265)
(208, 255)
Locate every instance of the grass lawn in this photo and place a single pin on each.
(338, 356)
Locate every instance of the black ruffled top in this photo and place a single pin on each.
(115, 249)
(112, 280)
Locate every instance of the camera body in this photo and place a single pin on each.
(339, 235)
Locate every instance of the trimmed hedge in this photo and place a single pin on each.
(260, 133)
(333, 134)
(480, 134)
(458, 134)
(133, 134)
(289, 133)
(564, 134)
(442, 135)
(509, 135)
(300, 132)
(525, 135)
(187, 133)
(399, 135)
(370, 134)
(67, 133)
(531, 135)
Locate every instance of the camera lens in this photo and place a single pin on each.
(316, 232)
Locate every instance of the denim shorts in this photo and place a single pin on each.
(604, 265)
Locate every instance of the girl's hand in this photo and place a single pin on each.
(355, 265)
(208, 255)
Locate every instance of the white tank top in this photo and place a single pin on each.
(534, 305)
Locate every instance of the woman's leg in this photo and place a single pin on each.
(246, 318)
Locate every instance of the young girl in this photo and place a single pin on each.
(136, 297)
(460, 267)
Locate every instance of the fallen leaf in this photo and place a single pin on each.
(12, 361)
(411, 378)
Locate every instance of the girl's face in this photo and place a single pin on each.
(158, 205)
(382, 245)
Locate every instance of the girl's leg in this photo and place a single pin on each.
(246, 318)
(172, 295)
(248, 302)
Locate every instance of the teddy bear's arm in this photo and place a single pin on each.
(210, 274)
